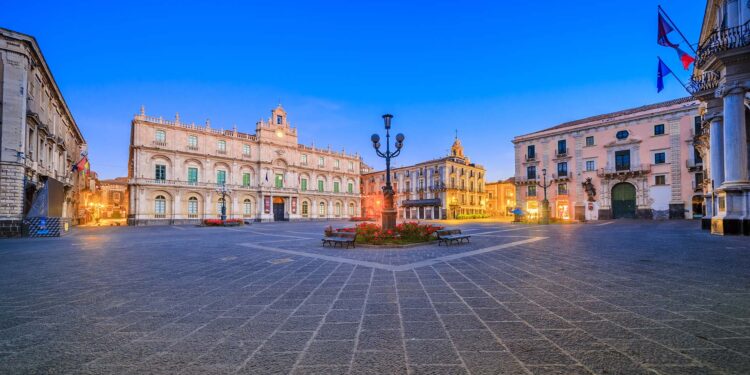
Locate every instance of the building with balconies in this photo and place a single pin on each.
(451, 187)
(501, 197)
(636, 163)
(721, 81)
(39, 144)
(175, 170)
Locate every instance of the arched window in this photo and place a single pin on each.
(247, 207)
(322, 209)
(160, 207)
(192, 207)
(305, 209)
(351, 209)
(337, 209)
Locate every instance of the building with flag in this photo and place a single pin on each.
(721, 81)
(175, 169)
(40, 143)
(636, 163)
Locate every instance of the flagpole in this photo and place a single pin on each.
(677, 28)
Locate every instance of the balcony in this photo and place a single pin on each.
(722, 40)
(630, 171)
(526, 180)
(221, 152)
(159, 143)
(707, 83)
(694, 165)
(561, 176)
(530, 158)
(561, 153)
(192, 148)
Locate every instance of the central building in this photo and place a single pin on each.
(176, 171)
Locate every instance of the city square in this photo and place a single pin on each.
(268, 299)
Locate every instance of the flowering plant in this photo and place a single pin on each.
(218, 222)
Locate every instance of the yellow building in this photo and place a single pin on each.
(501, 197)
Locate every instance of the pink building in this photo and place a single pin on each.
(636, 163)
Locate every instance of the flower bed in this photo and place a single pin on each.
(219, 223)
(404, 233)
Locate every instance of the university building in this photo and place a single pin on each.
(39, 144)
(721, 81)
(451, 187)
(176, 169)
(637, 163)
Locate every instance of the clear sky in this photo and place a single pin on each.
(490, 69)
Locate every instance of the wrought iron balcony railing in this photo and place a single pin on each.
(708, 82)
(632, 169)
(723, 40)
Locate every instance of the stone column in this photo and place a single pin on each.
(716, 150)
(735, 137)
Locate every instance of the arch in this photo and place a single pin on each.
(248, 205)
(338, 208)
(221, 166)
(193, 207)
(280, 163)
(351, 209)
(321, 209)
(623, 201)
(305, 208)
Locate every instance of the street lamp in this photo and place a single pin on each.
(389, 212)
(224, 191)
(545, 203)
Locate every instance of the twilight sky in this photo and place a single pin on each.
(488, 69)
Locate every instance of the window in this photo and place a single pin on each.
(247, 207)
(660, 158)
(278, 119)
(531, 152)
(350, 188)
(192, 207)
(246, 150)
(590, 165)
(531, 191)
(531, 172)
(698, 181)
(335, 186)
(305, 208)
(221, 177)
(562, 189)
(562, 169)
(320, 185)
(697, 156)
(303, 159)
(351, 166)
(160, 206)
(697, 125)
(322, 209)
(303, 184)
(116, 196)
(660, 180)
(192, 142)
(337, 209)
(246, 179)
(279, 181)
(321, 161)
(659, 129)
(351, 209)
(590, 140)
(622, 160)
(222, 146)
(161, 136)
(622, 135)
(161, 172)
(192, 175)
(336, 163)
(562, 147)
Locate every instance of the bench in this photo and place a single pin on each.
(451, 235)
(341, 239)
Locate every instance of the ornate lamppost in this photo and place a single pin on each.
(389, 212)
(545, 203)
(224, 191)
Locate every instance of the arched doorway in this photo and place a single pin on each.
(697, 206)
(623, 201)
(278, 209)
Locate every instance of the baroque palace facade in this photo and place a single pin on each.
(721, 81)
(39, 144)
(636, 163)
(175, 171)
(446, 188)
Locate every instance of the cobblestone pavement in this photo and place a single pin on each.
(628, 297)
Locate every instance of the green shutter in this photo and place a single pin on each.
(335, 187)
(246, 179)
(303, 184)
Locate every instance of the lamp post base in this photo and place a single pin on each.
(389, 219)
(545, 213)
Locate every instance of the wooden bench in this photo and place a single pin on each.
(451, 235)
(340, 238)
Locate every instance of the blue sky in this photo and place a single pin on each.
(489, 69)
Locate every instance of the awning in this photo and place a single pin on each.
(421, 202)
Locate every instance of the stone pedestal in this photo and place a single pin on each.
(732, 217)
(545, 212)
(389, 219)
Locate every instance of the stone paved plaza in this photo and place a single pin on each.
(626, 297)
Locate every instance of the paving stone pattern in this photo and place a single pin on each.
(632, 297)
